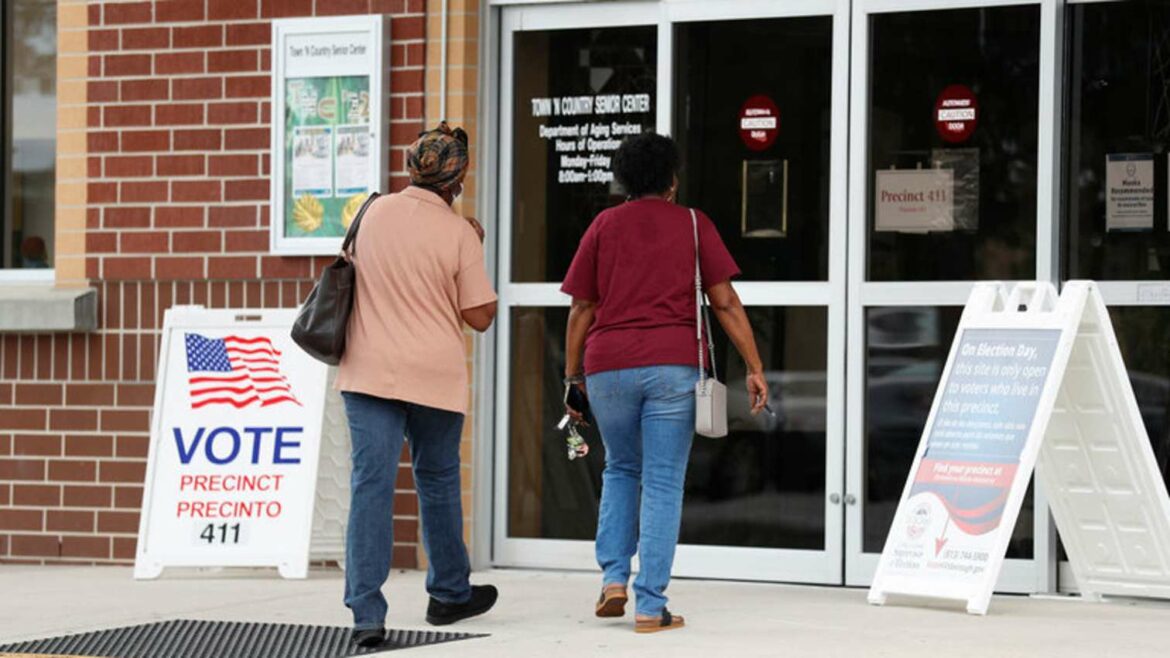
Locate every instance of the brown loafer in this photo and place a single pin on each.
(613, 601)
(666, 622)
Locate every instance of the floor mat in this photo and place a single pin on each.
(217, 639)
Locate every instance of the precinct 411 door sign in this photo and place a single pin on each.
(234, 445)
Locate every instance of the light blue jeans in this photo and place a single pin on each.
(647, 421)
(377, 428)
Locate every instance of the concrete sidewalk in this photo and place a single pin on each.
(550, 613)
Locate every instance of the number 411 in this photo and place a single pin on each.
(209, 533)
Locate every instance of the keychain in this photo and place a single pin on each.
(575, 442)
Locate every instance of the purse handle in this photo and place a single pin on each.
(702, 318)
(351, 234)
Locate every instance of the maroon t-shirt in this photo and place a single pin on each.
(637, 261)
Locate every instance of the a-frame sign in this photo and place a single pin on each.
(1033, 380)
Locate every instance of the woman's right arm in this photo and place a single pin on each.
(734, 320)
(581, 315)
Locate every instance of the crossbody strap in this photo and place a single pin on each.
(702, 319)
(351, 235)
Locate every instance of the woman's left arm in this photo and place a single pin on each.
(732, 316)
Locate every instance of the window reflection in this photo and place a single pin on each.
(1117, 106)
(549, 496)
(29, 58)
(566, 127)
(763, 485)
(769, 200)
(1141, 333)
(952, 144)
(906, 351)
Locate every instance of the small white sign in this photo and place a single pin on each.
(235, 439)
(1129, 191)
(914, 200)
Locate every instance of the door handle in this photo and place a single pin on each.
(835, 498)
(850, 499)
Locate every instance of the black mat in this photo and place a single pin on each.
(217, 639)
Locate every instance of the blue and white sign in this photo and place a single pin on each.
(1034, 380)
(234, 445)
(973, 451)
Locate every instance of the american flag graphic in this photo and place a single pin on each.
(236, 371)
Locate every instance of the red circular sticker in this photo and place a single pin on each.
(759, 122)
(956, 113)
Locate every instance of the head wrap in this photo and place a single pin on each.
(438, 158)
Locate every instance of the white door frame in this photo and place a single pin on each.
(1115, 293)
(822, 566)
(1037, 574)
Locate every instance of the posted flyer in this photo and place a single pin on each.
(327, 153)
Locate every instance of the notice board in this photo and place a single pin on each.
(234, 446)
(1033, 380)
(330, 90)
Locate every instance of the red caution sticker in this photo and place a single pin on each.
(759, 122)
(956, 113)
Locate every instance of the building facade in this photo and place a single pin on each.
(866, 162)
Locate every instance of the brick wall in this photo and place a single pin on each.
(176, 104)
(460, 110)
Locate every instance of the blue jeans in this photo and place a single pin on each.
(377, 429)
(647, 421)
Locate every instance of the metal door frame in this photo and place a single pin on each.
(787, 565)
(1037, 574)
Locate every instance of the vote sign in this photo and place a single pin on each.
(234, 444)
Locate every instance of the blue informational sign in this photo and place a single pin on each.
(988, 403)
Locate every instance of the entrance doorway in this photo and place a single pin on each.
(789, 116)
(945, 171)
(764, 503)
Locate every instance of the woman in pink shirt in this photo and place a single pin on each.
(633, 288)
(420, 276)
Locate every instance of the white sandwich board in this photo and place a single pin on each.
(234, 446)
(1033, 380)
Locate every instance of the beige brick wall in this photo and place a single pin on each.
(72, 62)
(461, 91)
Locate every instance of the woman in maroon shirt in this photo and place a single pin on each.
(633, 287)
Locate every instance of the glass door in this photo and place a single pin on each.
(760, 115)
(950, 183)
(754, 93)
(1118, 134)
(555, 146)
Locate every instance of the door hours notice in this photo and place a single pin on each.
(584, 131)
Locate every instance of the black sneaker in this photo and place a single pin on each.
(369, 637)
(483, 597)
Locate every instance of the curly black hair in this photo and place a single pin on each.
(646, 164)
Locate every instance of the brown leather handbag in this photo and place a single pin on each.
(321, 323)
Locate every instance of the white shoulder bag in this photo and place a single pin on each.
(710, 394)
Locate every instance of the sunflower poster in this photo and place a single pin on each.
(327, 154)
(330, 83)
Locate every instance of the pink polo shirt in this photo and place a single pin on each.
(418, 265)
